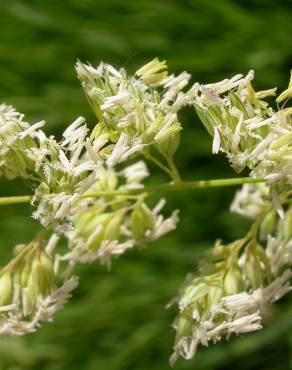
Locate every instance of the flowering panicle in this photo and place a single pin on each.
(236, 285)
(246, 128)
(59, 172)
(30, 290)
(65, 172)
(83, 189)
(136, 111)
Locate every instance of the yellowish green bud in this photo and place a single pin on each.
(42, 275)
(265, 93)
(286, 94)
(142, 219)
(47, 264)
(169, 146)
(287, 224)
(267, 226)
(24, 274)
(153, 72)
(6, 289)
(137, 225)
(108, 180)
(282, 141)
(215, 292)
(261, 255)
(29, 294)
(112, 229)
(254, 271)
(149, 219)
(92, 221)
(184, 325)
(233, 282)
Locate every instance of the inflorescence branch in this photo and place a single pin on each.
(181, 186)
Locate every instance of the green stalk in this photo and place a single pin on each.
(181, 186)
(14, 200)
(153, 159)
(174, 171)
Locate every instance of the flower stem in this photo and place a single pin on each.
(192, 185)
(153, 159)
(15, 199)
(174, 171)
(181, 186)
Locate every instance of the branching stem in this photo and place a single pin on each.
(174, 171)
(15, 199)
(153, 159)
(180, 186)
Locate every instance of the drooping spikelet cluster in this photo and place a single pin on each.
(236, 284)
(32, 288)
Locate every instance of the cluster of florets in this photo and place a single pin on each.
(82, 189)
(236, 284)
(247, 128)
(139, 110)
(114, 223)
(80, 185)
(32, 287)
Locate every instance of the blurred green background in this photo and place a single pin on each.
(118, 320)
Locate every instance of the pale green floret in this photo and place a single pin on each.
(268, 224)
(233, 281)
(286, 94)
(265, 93)
(142, 221)
(169, 146)
(6, 289)
(154, 72)
(254, 271)
(42, 275)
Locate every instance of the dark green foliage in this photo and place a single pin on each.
(117, 320)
